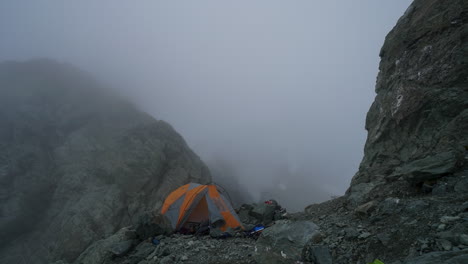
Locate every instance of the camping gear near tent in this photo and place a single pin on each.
(192, 204)
(256, 231)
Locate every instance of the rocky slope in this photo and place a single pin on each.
(77, 163)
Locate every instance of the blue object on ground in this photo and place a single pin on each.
(155, 241)
(257, 228)
(255, 231)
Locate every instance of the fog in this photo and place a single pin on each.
(272, 95)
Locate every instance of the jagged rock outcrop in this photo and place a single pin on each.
(77, 163)
(418, 123)
(407, 202)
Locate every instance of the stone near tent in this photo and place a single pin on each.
(316, 254)
(151, 224)
(264, 213)
(357, 193)
(141, 252)
(415, 206)
(244, 214)
(444, 244)
(230, 231)
(365, 209)
(248, 226)
(442, 257)
(216, 233)
(390, 206)
(279, 215)
(457, 235)
(447, 219)
(440, 189)
(462, 185)
(163, 251)
(167, 260)
(464, 216)
(364, 235)
(121, 248)
(464, 239)
(273, 258)
(285, 239)
(351, 233)
(102, 251)
(384, 238)
(464, 207)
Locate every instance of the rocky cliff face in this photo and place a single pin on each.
(407, 203)
(77, 163)
(418, 123)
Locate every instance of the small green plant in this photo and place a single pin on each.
(376, 261)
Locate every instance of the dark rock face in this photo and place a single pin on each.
(77, 162)
(417, 124)
(406, 204)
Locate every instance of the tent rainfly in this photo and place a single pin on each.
(194, 203)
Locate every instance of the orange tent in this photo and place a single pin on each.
(194, 203)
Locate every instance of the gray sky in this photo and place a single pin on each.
(277, 89)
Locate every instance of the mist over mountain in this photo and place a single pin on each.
(263, 85)
(272, 98)
(407, 203)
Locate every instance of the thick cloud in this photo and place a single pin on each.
(276, 89)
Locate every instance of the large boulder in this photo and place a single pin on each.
(244, 213)
(261, 213)
(77, 162)
(264, 213)
(284, 241)
(317, 254)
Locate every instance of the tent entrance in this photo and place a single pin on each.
(199, 214)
